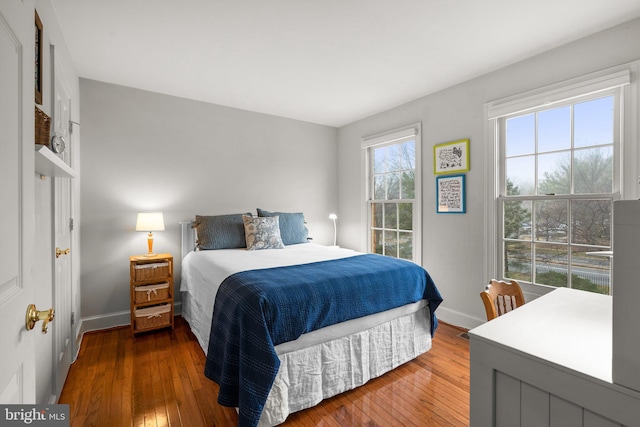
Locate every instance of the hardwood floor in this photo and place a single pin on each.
(157, 379)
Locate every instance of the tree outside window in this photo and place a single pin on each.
(557, 194)
(392, 204)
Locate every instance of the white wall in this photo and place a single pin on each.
(143, 151)
(454, 245)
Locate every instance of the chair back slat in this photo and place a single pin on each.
(501, 297)
(505, 303)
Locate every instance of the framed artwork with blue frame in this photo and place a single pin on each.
(450, 194)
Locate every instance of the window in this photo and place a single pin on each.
(393, 193)
(558, 174)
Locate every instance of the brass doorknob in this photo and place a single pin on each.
(62, 252)
(34, 315)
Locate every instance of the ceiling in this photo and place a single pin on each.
(329, 62)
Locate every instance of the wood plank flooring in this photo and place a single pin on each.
(157, 379)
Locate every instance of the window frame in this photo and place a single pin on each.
(616, 79)
(392, 137)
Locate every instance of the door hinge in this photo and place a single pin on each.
(73, 317)
(71, 224)
(71, 123)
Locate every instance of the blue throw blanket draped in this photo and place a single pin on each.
(256, 310)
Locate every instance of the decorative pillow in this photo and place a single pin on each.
(262, 233)
(292, 226)
(220, 232)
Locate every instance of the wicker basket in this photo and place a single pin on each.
(43, 127)
(150, 293)
(151, 271)
(151, 317)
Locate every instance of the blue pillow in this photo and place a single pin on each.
(292, 227)
(220, 232)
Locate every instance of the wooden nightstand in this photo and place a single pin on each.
(151, 292)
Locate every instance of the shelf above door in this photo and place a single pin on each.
(48, 164)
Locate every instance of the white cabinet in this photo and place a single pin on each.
(626, 293)
(548, 363)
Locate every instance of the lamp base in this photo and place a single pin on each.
(149, 254)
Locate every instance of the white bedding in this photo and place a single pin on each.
(204, 271)
(319, 364)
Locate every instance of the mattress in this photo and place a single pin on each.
(204, 271)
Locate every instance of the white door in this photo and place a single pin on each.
(17, 361)
(62, 295)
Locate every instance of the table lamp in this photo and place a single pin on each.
(152, 221)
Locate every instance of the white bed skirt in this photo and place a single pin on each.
(313, 369)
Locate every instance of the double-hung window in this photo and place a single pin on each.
(558, 174)
(393, 193)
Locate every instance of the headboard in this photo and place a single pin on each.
(188, 237)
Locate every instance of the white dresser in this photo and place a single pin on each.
(549, 363)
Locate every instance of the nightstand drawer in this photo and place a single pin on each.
(152, 317)
(151, 293)
(150, 271)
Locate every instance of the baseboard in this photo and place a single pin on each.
(456, 318)
(108, 321)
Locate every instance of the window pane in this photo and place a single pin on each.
(593, 170)
(551, 220)
(517, 261)
(593, 122)
(378, 187)
(551, 265)
(376, 215)
(591, 222)
(394, 158)
(408, 185)
(554, 129)
(391, 243)
(405, 245)
(588, 272)
(390, 216)
(393, 186)
(377, 242)
(379, 162)
(405, 211)
(520, 135)
(554, 173)
(520, 175)
(517, 220)
(409, 155)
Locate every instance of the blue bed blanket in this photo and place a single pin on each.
(258, 309)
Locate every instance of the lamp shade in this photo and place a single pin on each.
(152, 221)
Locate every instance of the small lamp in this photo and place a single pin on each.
(150, 222)
(333, 217)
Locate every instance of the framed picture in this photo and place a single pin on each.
(38, 59)
(451, 157)
(450, 194)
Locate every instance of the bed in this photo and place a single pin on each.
(280, 369)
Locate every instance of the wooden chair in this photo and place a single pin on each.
(501, 297)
